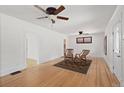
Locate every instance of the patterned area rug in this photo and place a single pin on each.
(74, 67)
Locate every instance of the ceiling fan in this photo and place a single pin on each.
(52, 11)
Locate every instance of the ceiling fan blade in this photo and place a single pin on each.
(42, 17)
(60, 9)
(63, 18)
(38, 7)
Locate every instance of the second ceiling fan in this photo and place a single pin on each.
(52, 11)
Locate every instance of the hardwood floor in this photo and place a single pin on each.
(47, 75)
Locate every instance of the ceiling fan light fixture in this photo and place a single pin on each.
(52, 17)
(53, 21)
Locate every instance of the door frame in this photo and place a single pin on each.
(65, 46)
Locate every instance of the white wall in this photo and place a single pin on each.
(96, 47)
(13, 49)
(0, 45)
(118, 15)
(123, 45)
(12, 45)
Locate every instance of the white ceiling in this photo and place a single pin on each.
(87, 18)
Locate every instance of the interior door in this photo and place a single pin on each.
(117, 50)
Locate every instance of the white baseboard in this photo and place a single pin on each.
(9, 70)
(15, 68)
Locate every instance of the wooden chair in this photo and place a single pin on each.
(80, 59)
(68, 55)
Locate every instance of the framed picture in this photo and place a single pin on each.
(80, 40)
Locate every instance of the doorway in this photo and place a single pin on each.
(32, 55)
(117, 63)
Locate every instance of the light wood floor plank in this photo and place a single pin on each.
(47, 75)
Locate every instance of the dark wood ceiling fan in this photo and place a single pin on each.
(52, 11)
